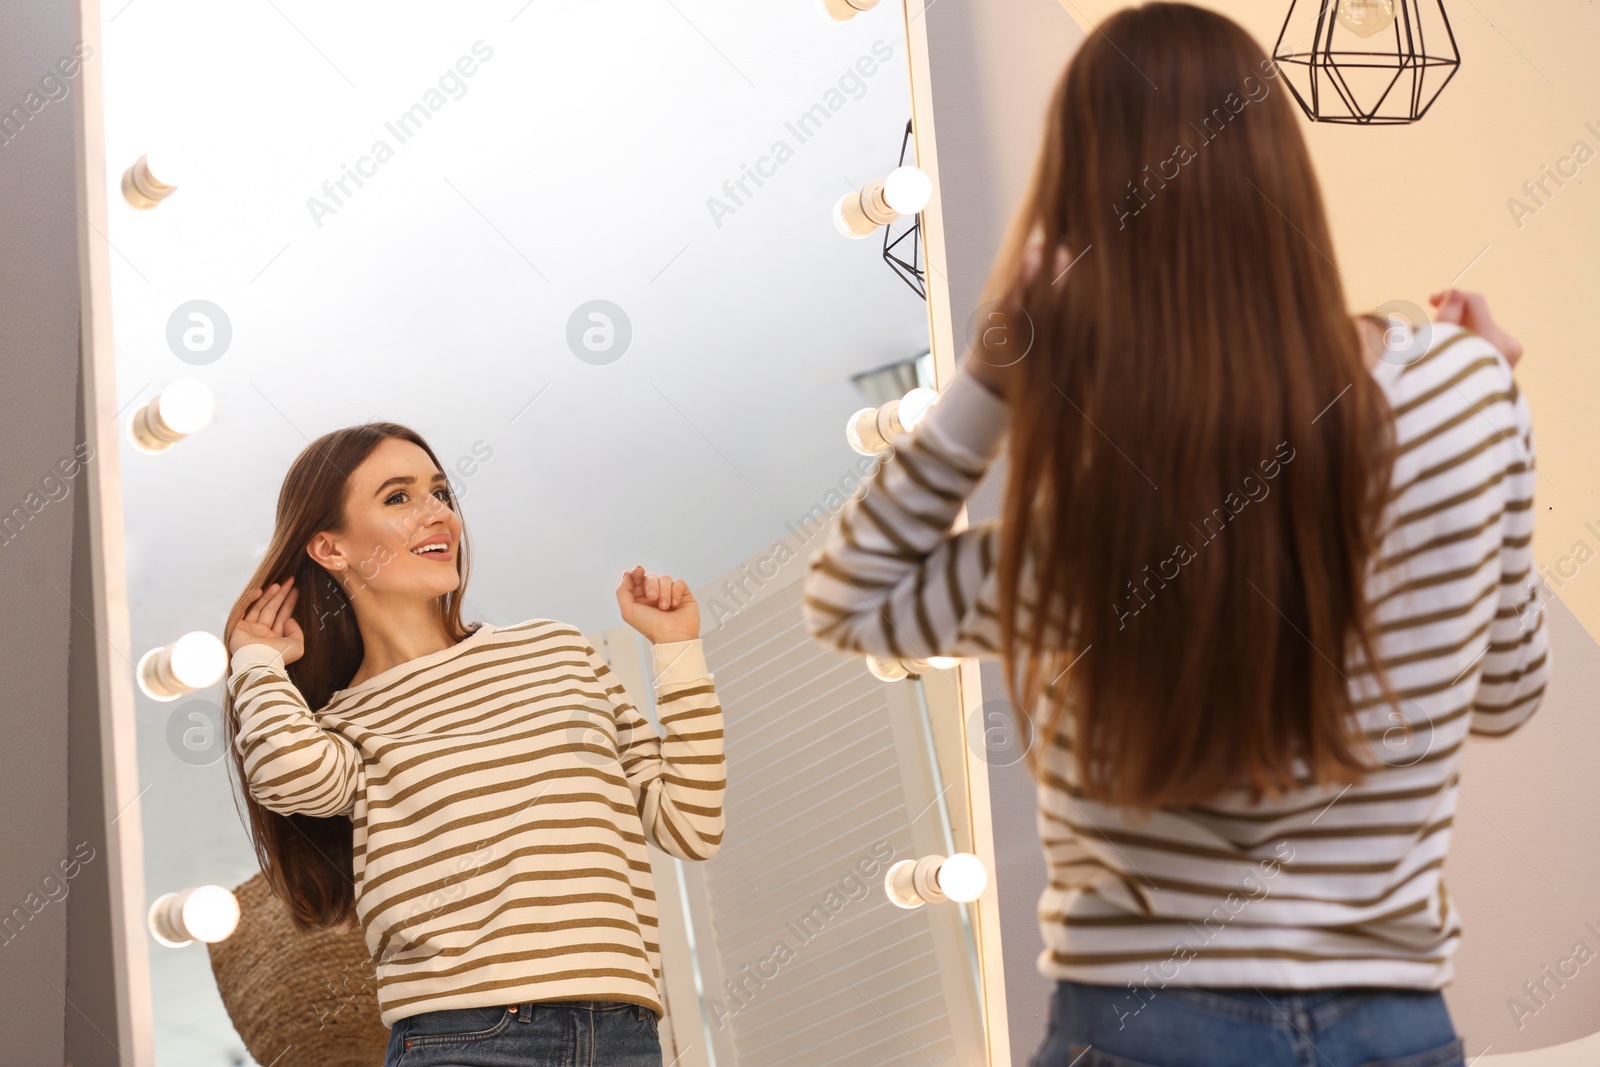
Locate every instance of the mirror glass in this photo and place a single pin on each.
(589, 252)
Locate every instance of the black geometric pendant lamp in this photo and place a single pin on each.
(1366, 62)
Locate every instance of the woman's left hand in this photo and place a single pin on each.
(658, 606)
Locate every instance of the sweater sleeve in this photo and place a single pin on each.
(1517, 664)
(678, 780)
(292, 764)
(893, 579)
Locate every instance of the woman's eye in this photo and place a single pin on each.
(444, 494)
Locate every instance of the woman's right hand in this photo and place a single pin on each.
(270, 621)
(1471, 311)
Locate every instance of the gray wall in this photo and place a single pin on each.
(38, 429)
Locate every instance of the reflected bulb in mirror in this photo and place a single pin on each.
(1366, 17)
(908, 189)
(205, 913)
(194, 661)
(862, 433)
(963, 877)
(844, 10)
(914, 405)
(870, 430)
(183, 407)
(886, 670)
(151, 179)
(860, 214)
(932, 879)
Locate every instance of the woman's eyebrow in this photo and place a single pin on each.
(405, 479)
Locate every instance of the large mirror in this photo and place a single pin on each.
(630, 270)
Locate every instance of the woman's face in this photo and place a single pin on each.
(397, 501)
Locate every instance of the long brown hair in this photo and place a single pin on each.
(307, 860)
(1198, 458)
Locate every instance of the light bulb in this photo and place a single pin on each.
(844, 10)
(943, 663)
(914, 405)
(207, 913)
(907, 189)
(849, 219)
(963, 877)
(194, 661)
(186, 405)
(862, 433)
(198, 659)
(148, 182)
(1366, 17)
(886, 670)
(931, 879)
(859, 214)
(211, 913)
(183, 407)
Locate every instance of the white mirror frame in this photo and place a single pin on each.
(114, 672)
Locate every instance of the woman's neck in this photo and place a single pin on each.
(398, 633)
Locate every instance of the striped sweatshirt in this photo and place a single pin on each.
(1323, 887)
(501, 793)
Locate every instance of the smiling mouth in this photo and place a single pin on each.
(441, 551)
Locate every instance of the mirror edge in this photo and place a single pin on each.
(124, 838)
(969, 699)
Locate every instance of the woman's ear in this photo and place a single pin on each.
(324, 552)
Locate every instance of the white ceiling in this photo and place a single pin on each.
(577, 165)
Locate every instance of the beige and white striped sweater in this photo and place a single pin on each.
(1322, 888)
(501, 793)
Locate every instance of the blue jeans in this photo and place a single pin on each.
(552, 1033)
(1181, 1026)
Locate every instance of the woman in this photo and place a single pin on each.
(1260, 570)
(478, 797)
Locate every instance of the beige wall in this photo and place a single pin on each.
(1412, 207)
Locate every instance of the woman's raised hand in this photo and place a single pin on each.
(1471, 310)
(658, 606)
(269, 620)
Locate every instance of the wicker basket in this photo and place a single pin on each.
(298, 999)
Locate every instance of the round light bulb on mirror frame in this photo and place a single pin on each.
(185, 406)
(870, 430)
(894, 670)
(961, 877)
(858, 214)
(862, 433)
(147, 183)
(887, 670)
(194, 661)
(843, 10)
(1366, 17)
(908, 189)
(913, 406)
(208, 913)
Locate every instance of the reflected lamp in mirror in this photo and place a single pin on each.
(194, 661)
(146, 184)
(893, 670)
(184, 407)
(203, 913)
(906, 191)
(870, 430)
(844, 10)
(932, 879)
